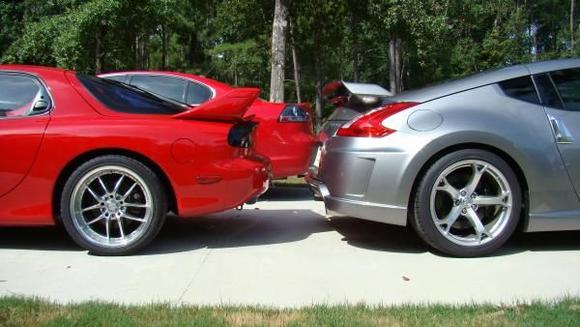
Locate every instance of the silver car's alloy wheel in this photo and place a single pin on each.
(471, 202)
(111, 206)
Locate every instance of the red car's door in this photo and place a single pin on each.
(24, 106)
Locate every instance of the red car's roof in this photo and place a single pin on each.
(31, 68)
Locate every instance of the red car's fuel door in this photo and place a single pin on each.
(24, 115)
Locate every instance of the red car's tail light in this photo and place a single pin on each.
(293, 113)
(240, 135)
(371, 123)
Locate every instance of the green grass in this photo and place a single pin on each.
(33, 312)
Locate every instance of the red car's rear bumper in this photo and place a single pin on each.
(239, 181)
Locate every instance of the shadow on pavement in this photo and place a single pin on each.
(377, 236)
(268, 227)
(541, 242)
(382, 237)
(287, 193)
(225, 230)
(246, 228)
(37, 238)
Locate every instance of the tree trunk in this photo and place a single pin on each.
(137, 61)
(354, 21)
(318, 101)
(395, 66)
(572, 25)
(295, 65)
(140, 59)
(278, 50)
(99, 50)
(296, 73)
(163, 48)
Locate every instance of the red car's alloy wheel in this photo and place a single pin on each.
(113, 205)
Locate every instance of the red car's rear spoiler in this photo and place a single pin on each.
(229, 107)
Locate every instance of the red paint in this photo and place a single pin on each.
(287, 144)
(36, 150)
(229, 107)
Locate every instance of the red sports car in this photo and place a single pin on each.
(109, 161)
(284, 133)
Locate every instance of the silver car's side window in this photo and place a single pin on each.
(548, 94)
(567, 84)
(521, 88)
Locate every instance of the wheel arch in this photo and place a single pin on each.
(514, 165)
(67, 171)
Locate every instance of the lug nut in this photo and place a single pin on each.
(473, 195)
(463, 193)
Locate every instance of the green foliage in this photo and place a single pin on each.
(334, 39)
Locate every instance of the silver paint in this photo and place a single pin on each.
(475, 113)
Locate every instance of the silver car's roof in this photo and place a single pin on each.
(484, 78)
(550, 65)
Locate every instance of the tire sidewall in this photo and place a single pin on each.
(159, 204)
(424, 224)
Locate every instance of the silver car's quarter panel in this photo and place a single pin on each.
(381, 172)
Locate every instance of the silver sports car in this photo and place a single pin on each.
(466, 162)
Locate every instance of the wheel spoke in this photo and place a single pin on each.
(93, 207)
(451, 218)
(127, 216)
(118, 184)
(475, 221)
(98, 198)
(446, 187)
(477, 173)
(129, 191)
(108, 229)
(121, 228)
(103, 186)
(484, 200)
(135, 205)
(96, 219)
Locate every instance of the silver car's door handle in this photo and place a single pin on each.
(562, 133)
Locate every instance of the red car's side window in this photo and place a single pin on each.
(21, 95)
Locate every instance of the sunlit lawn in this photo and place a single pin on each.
(33, 312)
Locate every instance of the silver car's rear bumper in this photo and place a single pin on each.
(336, 206)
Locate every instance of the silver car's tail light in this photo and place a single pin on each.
(370, 124)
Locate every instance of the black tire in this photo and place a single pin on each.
(424, 224)
(156, 212)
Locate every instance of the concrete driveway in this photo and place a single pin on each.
(284, 252)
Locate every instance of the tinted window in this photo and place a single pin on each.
(18, 94)
(197, 93)
(521, 88)
(123, 98)
(568, 84)
(547, 91)
(168, 87)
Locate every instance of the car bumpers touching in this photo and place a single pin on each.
(356, 180)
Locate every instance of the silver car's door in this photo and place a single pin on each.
(560, 93)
